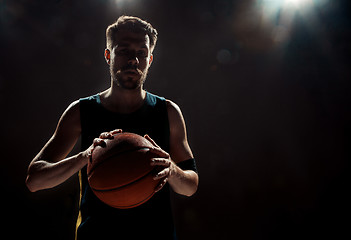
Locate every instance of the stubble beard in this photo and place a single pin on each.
(127, 82)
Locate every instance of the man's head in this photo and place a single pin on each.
(130, 42)
(133, 24)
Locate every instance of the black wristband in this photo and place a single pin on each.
(189, 164)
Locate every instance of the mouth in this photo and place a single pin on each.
(133, 72)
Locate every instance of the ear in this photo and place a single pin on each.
(107, 56)
(151, 58)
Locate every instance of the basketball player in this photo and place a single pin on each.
(125, 105)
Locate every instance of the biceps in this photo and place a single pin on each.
(179, 146)
(57, 148)
(65, 136)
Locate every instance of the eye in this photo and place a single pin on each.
(142, 53)
(123, 51)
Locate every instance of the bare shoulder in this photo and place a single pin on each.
(176, 120)
(179, 146)
(70, 119)
(65, 136)
(73, 108)
(173, 110)
(175, 117)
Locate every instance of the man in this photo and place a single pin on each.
(125, 105)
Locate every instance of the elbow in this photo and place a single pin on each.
(33, 180)
(30, 184)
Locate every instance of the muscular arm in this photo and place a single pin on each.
(50, 167)
(183, 182)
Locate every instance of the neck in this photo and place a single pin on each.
(122, 100)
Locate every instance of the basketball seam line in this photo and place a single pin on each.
(116, 188)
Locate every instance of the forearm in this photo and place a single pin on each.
(184, 182)
(43, 174)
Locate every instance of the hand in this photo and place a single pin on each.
(100, 141)
(163, 160)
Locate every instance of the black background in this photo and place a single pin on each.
(266, 104)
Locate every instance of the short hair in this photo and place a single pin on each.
(133, 24)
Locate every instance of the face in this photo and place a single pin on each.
(129, 59)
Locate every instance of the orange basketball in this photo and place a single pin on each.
(120, 173)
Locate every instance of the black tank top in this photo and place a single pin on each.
(151, 220)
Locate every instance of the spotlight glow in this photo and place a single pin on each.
(304, 7)
(278, 16)
(299, 3)
(291, 4)
(296, 2)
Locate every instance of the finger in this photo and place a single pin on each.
(160, 162)
(90, 153)
(159, 152)
(106, 135)
(99, 142)
(116, 131)
(162, 174)
(151, 140)
(161, 185)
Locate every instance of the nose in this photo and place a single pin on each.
(133, 59)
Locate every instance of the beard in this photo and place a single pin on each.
(128, 77)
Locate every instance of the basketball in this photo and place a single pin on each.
(120, 173)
